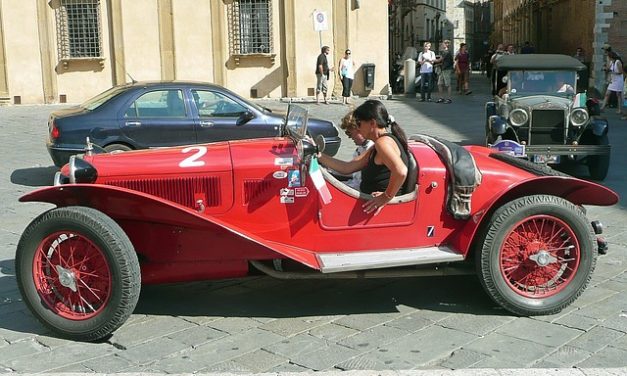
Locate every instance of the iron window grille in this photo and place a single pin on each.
(250, 27)
(79, 33)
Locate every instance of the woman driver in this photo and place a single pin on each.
(383, 167)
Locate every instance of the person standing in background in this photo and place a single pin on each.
(446, 68)
(322, 74)
(346, 69)
(426, 60)
(462, 69)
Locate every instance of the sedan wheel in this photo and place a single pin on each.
(538, 255)
(78, 272)
(117, 148)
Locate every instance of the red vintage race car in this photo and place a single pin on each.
(228, 209)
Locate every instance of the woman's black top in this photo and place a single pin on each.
(374, 177)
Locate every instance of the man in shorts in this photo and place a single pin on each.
(322, 74)
(446, 68)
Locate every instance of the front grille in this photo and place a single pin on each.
(179, 190)
(547, 127)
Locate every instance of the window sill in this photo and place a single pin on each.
(238, 57)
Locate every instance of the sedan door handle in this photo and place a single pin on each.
(206, 124)
(133, 123)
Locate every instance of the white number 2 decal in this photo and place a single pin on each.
(193, 160)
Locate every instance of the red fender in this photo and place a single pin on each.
(577, 191)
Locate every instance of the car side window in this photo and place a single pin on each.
(214, 104)
(158, 103)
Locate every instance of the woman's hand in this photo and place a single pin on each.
(379, 200)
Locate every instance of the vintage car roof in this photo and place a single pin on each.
(539, 62)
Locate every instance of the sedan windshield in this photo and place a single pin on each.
(95, 102)
(542, 82)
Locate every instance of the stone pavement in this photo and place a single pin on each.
(260, 324)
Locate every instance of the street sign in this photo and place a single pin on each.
(320, 20)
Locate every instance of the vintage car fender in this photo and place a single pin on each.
(599, 126)
(577, 191)
(125, 205)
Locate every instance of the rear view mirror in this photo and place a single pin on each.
(244, 118)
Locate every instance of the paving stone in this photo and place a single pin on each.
(503, 349)
(197, 335)
(576, 321)
(260, 361)
(475, 324)
(234, 324)
(325, 358)
(288, 327)
(539, 332)
(74, 352)
(112, 363)
(20, 325)
(461, 358)
(332, 332)
(567, 356)
(620, 343)
(617, 321)
(596, 339)
(592, 296)
(412, 322)
(293, 346)
(425, 346)
(611, 355)
(28, 347)
(287, 368)
(606, 308)
(497, 363)
(144, 331)
(373, 338)
(368, 363)
(363, 321)
(152, 351)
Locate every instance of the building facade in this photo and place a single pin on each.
(69, 50)
(560, 26)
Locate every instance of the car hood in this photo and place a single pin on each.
(71, 111)
(541, 102)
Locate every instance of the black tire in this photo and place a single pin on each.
(108, 277)
(599, 165)
(117, 148)
(510, 267)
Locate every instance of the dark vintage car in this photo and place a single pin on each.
(538, 114)
(143, 115)
(229, 209)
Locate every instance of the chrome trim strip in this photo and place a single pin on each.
(387, 258)
(57, 178)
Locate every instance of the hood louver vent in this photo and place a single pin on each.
(256, 189)
(179, 190)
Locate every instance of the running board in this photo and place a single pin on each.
(387, 258)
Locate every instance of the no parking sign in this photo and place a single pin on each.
(320, 20)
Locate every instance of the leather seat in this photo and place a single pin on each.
(412, 174)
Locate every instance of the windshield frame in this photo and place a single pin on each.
(95, 102)
(516, 79)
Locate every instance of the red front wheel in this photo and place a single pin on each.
(78, 272)
(537, 256)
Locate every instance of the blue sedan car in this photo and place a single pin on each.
(142, 115)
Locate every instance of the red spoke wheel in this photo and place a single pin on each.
(537, 256)
(78, 272)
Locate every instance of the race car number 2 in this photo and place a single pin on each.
(194, 159)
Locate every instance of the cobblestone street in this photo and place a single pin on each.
(260, 324)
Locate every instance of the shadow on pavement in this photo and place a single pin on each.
(34, 176)
(268, 297)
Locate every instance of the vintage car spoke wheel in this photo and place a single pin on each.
(78, 272)
(538, 255)
(598, 165)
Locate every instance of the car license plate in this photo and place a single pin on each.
(509, 147)
(546, 159)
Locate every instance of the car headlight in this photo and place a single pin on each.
(579, 117)
(518, 117)
(81, 171)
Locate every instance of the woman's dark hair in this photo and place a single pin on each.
(612, 55)
(375, 110)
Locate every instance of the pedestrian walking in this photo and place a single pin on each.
(462, 69)
(445, 63)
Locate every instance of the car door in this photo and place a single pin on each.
(159, 118)
(217, 118)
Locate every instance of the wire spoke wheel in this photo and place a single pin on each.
(71, 275)
(539, 257)
(536, 255)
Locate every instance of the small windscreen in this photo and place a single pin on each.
(296, 121)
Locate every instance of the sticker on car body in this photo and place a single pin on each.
(283, 161)
(287, 200)
(279, 174)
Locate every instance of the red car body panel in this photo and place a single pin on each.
(203, 211)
